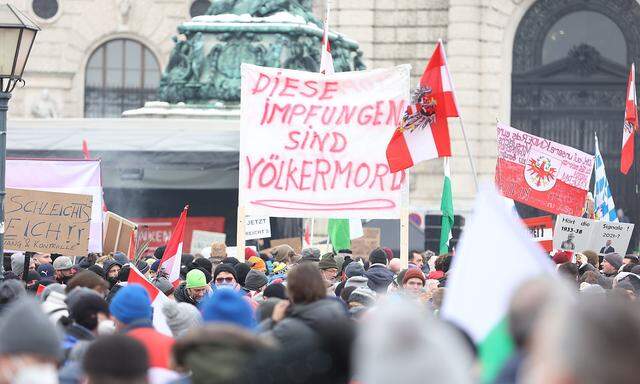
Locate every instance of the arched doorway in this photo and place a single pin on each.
(570, 66)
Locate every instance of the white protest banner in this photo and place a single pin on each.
(81, 177)
(314, 145)
(257, 227)
(579, 234)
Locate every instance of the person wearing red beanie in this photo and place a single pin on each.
(562, 257)
(249, 252)
(413, 281)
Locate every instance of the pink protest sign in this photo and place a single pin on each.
(314, 146)
(542, 173)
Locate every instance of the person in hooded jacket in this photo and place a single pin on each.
(380, 277)
(297, 320)
(111, 270)
(121, 281)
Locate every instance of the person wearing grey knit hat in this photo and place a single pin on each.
(354, 269)
(255, 281)
(611, 264)
(163, 284)
(311, 254)
(181, 317)
(357, 281)
(362, 297)
(17, 263)
(30, 347)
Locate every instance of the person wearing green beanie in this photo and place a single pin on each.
(194, 289)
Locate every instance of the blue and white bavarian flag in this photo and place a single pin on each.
(605, 209)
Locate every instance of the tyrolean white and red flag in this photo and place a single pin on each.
(630, 123)
(172, 256)
(423, 131)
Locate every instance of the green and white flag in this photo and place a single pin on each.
(478, 301)
(342, 231)
(446, 206)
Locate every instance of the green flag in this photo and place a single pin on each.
(339, 234)
(342, 231)
(446, 206)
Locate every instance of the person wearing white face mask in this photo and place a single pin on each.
(225, 277)
(29, 345)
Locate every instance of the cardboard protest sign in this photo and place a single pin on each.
(47, 222)
(293, 242)
(117, 233)
(363, 246)
(579, 234)
(203, 239)
(541, 173)
(257, 227)
(66, 176)
(314, 145)
(541, 229)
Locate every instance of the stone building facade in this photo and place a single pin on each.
(479, 37)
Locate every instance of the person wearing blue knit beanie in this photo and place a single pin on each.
(130, 304)
(228, 306)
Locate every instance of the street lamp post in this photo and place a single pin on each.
(17, 33)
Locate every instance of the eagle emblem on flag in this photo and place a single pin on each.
(421, 112)
(540, 173)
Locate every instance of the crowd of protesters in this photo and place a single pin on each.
(283, 317)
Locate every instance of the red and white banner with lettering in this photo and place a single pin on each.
(313, 145)
(542, 173)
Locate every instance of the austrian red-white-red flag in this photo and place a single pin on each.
(630, 123)
(158, 299)
(326, 60)
(423, 132)
(172, 256)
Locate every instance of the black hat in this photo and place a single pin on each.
(378, 256)
(242, 270)
(204, 264)
(159, 252)
(275, 290)
(142, 266)
(230, 260)
(95, 268)
(225, 268)
(84, 311)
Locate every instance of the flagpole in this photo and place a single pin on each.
(313, 224)
(471, 162)
(404, 224)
